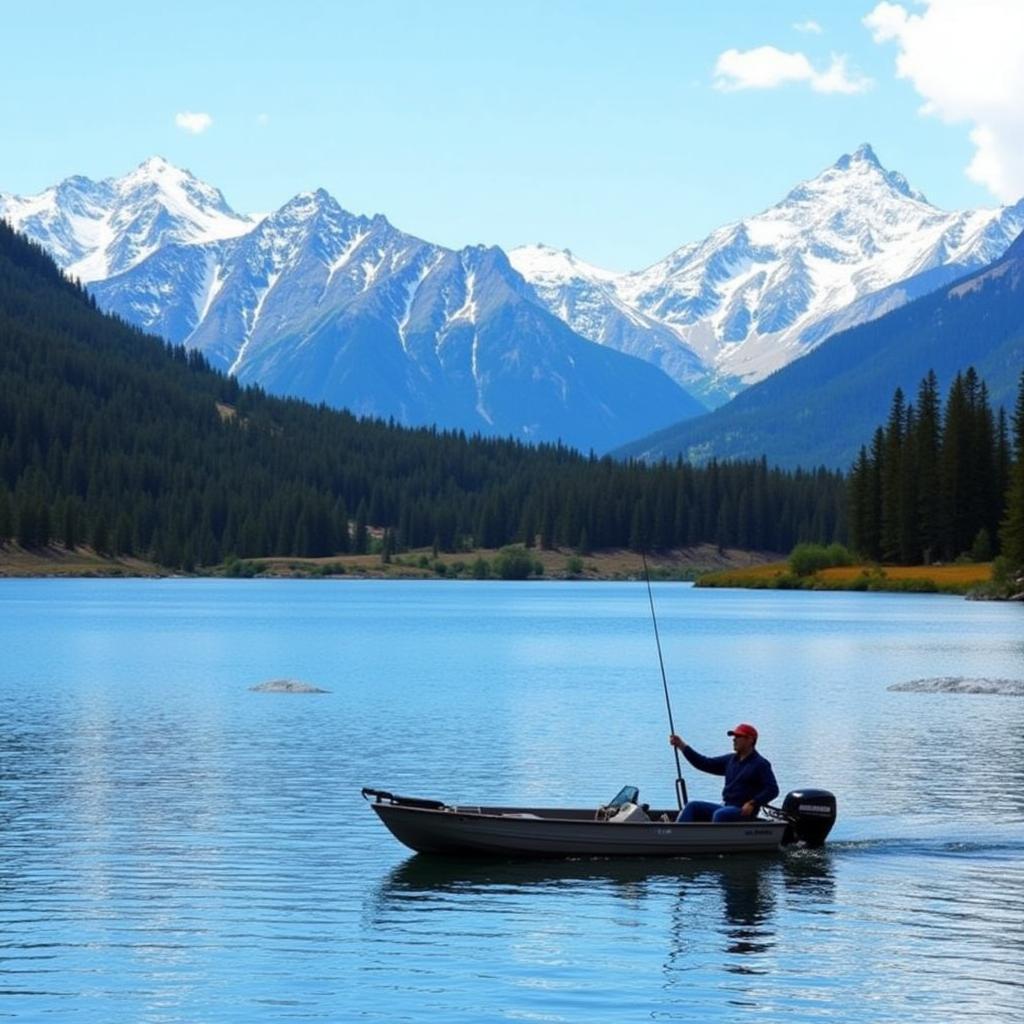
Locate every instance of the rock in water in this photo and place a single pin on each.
(286, 686)
(960, 684)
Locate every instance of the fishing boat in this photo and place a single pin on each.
(621, 828)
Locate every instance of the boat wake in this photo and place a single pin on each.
(997, 845)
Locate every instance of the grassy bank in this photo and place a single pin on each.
(918, 579)
(681, 564)
(58, 561)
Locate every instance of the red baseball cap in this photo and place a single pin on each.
(744, 730)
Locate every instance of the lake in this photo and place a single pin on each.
(177, 848)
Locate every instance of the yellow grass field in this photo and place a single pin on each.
(969, 575)
(949, 579)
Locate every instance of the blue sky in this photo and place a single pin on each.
(619, 130)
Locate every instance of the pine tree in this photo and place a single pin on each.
(891, 475)
(927, 448)
(909, 526)
(6, 516)
(1003, 458)
(1012, 527)
(872, 548)
(639, 531)
(29, 531)
(860, 528)
(957, 434)
(100, 537)
(123, 535)
(361, 536)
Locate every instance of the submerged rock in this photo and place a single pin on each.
(286, 686)
(961, 684)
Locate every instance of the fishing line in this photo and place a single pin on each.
(680, 781)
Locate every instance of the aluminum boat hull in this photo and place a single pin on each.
(565, 832)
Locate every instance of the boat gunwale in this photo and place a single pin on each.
(515, 814)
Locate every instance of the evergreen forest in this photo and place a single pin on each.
(113, 439)
(940, 482)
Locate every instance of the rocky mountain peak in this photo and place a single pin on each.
(863, 154)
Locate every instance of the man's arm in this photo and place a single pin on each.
(769, 787)
(711, 765)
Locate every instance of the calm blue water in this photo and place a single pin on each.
(177, 848)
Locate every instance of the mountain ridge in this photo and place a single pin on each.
(319, 303)
(755, 294)
(820, 409)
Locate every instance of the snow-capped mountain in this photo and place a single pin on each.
(840, 249)
(587, 299)
(791, 417)
(322, 304)
(95, 229)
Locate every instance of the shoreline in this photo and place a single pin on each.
(684, 564)
(705, 566)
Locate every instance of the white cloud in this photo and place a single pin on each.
(809, 26)
(767, 67)
(196, 124)
(965, 58)
(838, 79)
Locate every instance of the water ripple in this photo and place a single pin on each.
(178, 849)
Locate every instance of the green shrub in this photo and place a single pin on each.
(481, 569)
(239, 568)
(514, 563)
(806, 559)
(838, 555)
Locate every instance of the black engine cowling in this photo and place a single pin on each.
(811, 814)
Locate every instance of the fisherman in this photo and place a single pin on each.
(749, 779)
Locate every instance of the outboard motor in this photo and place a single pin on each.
(811, 814)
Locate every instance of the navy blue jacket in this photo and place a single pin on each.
(750, 779)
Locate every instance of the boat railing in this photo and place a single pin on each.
(382, 796)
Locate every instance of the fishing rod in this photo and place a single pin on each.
(680, 781)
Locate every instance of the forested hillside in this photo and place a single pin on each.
(939, 482)
(116, 440)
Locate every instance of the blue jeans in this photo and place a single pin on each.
(704, 810)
